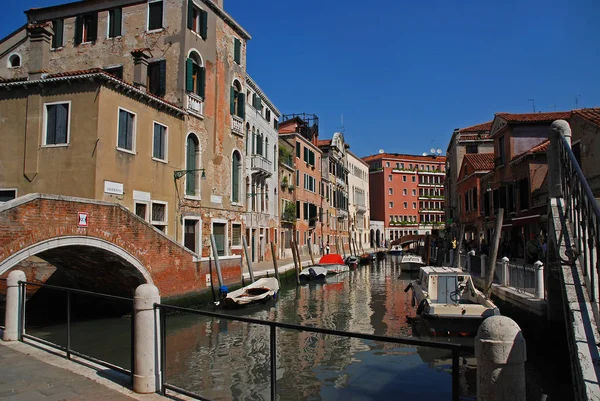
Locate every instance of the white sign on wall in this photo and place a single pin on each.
(114, 188)
(141, 196)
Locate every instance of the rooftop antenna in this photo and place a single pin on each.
(577, 101)
(533, 102)
(343, 128)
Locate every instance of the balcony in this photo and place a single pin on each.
(194, 105)
(431, 197)
(261, 166)
(437, 211)
(361, 209)
(340, 181)
(341, 214)
(237, 125)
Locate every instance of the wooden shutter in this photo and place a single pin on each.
(202, 77)
(57, 38)
(117, 22)
(235, 178)
(237, 50)
(189, 75)
(162, 78)
(232, 100)
(190, 179)
(241, 105)
(203, 24)
(190, 16)
(78, 26)
(92, 33)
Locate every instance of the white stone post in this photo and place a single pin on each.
(539, 280)
(505, 278)
(146, 344)
(501, 354)
(13, 306)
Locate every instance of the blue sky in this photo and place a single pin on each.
(403, 73)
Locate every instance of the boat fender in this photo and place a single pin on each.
(421, 307)
(408, 287)
(223, 290)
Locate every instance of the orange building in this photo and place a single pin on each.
(407, 193)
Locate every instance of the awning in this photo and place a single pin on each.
(524, 220)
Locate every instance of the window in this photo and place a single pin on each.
(155, 14)
(414, 179)
(414, 192)
(141, 210)
(268, 115)
(414, 205)
(390, 178)
(391, 205)
(237, 100)
(191, 234)
(501, 151)
(57, 123)
(236, 234)
(298, 150)
(256, 102)
(387, 164)
(472, 148)
(159, 145)
(219, 230)
(86, 28)
(237, 51)
(403, 178)
(159, 215)
(192, 162)
(298, 178)
(114, 23)
(14, 61)
(406, 205)
(7, 194)
(404, 192)
(116, 71)
(126, 134)
(195, 75)
(390, 191)
(197, 20)
(236, 167)
(157, 78)
(57, 38)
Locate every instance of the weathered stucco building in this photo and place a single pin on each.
(358, 200)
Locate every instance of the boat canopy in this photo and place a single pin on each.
(331, 259)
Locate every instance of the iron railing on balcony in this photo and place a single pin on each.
(583, 213)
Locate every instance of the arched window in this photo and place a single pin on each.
(237, 100)
(195, 75)
(192, 161)
(236, 167)
(14, 61)
(259, 143)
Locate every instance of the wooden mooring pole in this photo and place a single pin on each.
(248, 261)
(274, 261)
(489, 278)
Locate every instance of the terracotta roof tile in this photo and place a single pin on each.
(74, 73)
(473, 137)
(541, 148)
(485, 127)
(592, 115)
(481, 161)
(535, 117)
(324, 142)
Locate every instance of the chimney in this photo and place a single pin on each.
(40, 36)
(140, 68)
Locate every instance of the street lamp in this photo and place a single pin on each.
(180, 173)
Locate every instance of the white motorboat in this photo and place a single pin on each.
(448, 302)
(262, 290)
(395, 250)
(313, 273)
(409, 262)
(333, 263)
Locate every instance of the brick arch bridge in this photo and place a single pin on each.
(115, 253)
(407, 239)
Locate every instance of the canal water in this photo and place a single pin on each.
(229, 360)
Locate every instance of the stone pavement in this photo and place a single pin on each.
(31, 374)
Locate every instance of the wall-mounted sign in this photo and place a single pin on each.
(82, 219)
(216, 199)
(114, 188)
(141, 196)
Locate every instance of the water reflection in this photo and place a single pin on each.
(228, 360)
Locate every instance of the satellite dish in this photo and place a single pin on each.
(432, 150)
(424, 153)
(381, 151)
(439, 151)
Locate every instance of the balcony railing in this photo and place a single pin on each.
(237, 125)
(261, 165)
(361, 208)
(194, 104)
(341, 214)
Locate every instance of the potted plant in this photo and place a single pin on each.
(284, 182)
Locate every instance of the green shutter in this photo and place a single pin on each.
(237, 51)
(93, 29)
(204, 24)
(117, 22)
(241, 105)
(202, 83)
(232, 100)
(235, 180)
(189, 72)
(57, 38)
(258, 103)
(190, 17)
(306, 157)
(298, 151)
(78, 23)
(162, 80)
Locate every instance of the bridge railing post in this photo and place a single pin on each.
(557, 129)
(500, 350)
(12, 317)
(539, 280)
(145, 342)
(505, 276)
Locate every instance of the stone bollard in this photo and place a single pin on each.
(505, 278)
(12, 318)
(501, 354)
(145, 343)
(539, 280)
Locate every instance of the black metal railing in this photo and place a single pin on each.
(273, 326)
(68, 349)
(583, 212)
